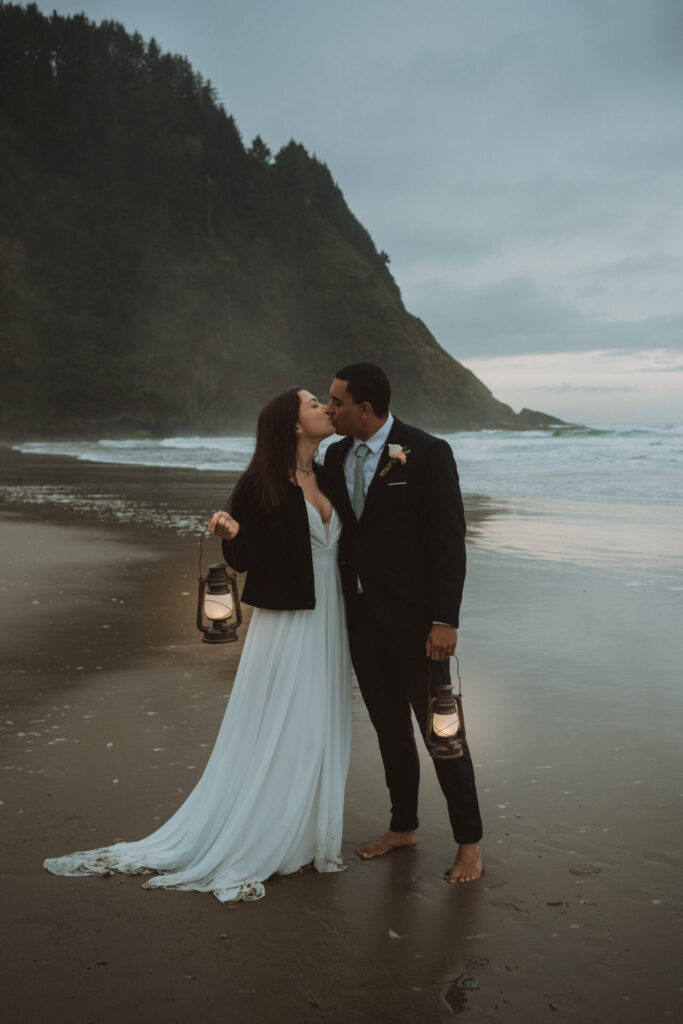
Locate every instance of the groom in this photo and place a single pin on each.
(402, 564)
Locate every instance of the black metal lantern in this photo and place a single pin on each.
(218, 602)
(445, 729)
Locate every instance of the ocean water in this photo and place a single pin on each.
(621, 463)
(608, 500)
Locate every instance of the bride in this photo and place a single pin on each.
(271, 797)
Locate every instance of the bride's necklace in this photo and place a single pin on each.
(306, 471)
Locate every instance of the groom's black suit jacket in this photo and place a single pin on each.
(408, 547)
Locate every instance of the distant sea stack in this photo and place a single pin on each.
(158, 275)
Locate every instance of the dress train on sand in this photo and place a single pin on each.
(271, 797)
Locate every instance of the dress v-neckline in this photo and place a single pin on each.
(319, 516)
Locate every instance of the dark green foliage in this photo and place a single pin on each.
(155, 274)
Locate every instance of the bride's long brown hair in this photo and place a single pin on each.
(273, 464)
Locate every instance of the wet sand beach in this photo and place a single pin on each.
(110, 705)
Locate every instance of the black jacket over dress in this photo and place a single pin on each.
(275, 549)
(408, 547)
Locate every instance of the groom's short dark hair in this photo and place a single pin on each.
(366, 382)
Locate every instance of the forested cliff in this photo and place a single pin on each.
(157, 274)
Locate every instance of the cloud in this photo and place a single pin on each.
(515, 317)
(593, 389)
(618, 385)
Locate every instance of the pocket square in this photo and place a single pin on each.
(398, 483)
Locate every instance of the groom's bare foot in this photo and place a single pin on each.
(467, 866)
(389, 841)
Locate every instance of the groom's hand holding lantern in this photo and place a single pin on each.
(441, 641)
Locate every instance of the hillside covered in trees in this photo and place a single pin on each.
(157, 274)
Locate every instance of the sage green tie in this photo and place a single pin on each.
(358, 490)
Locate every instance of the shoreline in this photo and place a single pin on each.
(570, 680)
(144, 434)
(635, 541)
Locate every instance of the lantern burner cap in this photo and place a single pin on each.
(217, 580)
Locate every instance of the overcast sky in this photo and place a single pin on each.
(521, 161)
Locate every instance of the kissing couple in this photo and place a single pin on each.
(358, 561)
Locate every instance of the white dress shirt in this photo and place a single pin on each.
(376, 445)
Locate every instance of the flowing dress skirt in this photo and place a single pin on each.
(271, 797)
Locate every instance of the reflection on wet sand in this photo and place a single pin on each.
(616, 537)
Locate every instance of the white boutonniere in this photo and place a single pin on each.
(397, 453)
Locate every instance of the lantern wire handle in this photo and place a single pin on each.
(457, 669)
(204, 535)
(201, 550)
(429, 675)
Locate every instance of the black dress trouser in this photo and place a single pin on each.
(392, 672)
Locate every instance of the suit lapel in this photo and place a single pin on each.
(374, 489)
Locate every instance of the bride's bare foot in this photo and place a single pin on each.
(467, 866)
(306, 867)
(389, 841)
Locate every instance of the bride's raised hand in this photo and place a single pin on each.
(223, 525)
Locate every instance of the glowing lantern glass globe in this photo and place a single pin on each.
(446, 725)
(218, 607)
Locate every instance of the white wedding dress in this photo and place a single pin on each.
(272, 794)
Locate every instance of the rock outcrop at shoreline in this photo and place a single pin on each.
(157, 274)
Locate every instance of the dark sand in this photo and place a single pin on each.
(110, 705)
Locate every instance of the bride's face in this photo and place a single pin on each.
(313, 421)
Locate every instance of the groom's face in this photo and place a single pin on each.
(345, 413)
